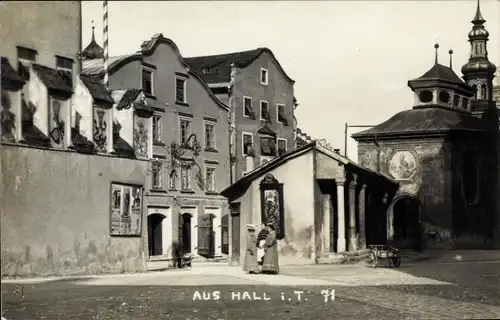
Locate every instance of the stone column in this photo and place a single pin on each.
(327, 205)
(352, 214)
(341, 245)
(362, 217)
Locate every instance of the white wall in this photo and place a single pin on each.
(38, 96)
(82, 102)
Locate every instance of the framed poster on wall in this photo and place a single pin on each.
(126, 210)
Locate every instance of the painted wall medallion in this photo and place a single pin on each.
(403, 165)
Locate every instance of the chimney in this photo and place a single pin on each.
(337, 151)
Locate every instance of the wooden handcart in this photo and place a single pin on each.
(384, 252)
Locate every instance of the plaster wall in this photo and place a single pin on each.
(56, 213)
(431, 183)
(297, 176)
(82, 104)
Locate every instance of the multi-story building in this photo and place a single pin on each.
(190, 148)
(260, 96)
(73, 163)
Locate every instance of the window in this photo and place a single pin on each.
(157, 174)
(25, 57)
(264, 111)
(280, 114)
(426, 96)
(147, 81)
(264, 76)
(210, 179)
(206, 71)
(465, 103)
(64, 63)
(456, 100)
(157, 131)
(209, 136)
(281, 146)
(247, 108)
(172, 182)
(267, 146)
(185, 130)
(247, 144)
(185, 177)
(180, 90)
(444, 97)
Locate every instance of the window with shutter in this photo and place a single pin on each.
(180, 90)
(247, 108)
(147, 81)
(264, 111)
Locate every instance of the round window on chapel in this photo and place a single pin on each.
(456, 100)
(425, 96)
(444, 97)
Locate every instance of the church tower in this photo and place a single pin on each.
(479, 72)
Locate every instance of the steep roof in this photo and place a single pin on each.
(54, 79)
(96, 66)
(10, 78)
(97, 89)
(220, 64)
(422, 121)
(441, 72)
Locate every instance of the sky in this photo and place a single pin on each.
(351, 60)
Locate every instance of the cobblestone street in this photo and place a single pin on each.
(420, 291)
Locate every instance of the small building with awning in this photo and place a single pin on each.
(320, 202)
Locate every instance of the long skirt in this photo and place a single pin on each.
(270, 264)
(250, 263)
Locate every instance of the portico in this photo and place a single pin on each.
(321, 203)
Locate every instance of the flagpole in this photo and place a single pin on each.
(105, 43)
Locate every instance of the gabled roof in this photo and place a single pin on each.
(54, 79)
(220, 64)
(96, 89)
(247, 179)
(422, 121)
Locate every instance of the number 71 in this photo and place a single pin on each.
(328, 294)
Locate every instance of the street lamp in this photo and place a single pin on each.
(345, 133)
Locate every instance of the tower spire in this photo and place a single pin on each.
(436, 47)
(93, 32)
(451, 58)
(478, 18)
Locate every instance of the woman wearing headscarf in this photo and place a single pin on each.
(250, 264)
(270, 264)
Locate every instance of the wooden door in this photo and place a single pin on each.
(225, 234)
(235, 233)
(205, 236)
(155, 234)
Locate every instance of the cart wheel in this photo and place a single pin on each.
(373, 259)
(396, 261)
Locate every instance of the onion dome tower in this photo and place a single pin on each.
(93, 50)
(479, 72)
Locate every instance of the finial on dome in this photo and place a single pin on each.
(436, 46)
(93, 28)
(451, 58)
(478, 18)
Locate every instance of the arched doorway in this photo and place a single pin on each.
(406, 222)
(185, 232)
(155, 234)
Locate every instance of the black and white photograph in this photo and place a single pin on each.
(250, 159)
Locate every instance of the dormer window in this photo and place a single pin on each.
(444, 97)
(426, 96)
(456, 100)
(206, 71)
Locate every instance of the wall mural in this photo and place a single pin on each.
(56, 123)
(7, 118)
(403, 165)
(126, 210)
(141, 138)
(272, 209)
(100, 129)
